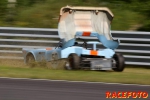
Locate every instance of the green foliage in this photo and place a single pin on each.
(44, 13)
(145, 27)
(143, 8)
(3, 8)
(27, 3)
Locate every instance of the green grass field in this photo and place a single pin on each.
(129, 75)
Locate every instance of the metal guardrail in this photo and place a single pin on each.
(135, 46)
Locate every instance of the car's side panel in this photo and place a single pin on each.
(74, 49)
(107, 53)
(39, 54)
(53, 54)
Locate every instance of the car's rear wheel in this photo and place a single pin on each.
(119, 59)
(30, 60)
(73, 61)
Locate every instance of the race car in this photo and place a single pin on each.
(76, 23)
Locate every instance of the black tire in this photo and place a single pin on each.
(74, 61)
(119, 62)
(30, 60)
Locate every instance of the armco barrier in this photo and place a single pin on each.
(135, 46)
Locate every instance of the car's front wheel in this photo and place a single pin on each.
(73, 61)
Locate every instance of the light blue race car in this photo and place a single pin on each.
(74, 24)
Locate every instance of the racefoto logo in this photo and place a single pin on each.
(129, 94)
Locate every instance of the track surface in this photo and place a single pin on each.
(25, 89)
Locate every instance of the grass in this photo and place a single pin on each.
(129, 75)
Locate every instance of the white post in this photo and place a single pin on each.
(11, 10)
(11, 3)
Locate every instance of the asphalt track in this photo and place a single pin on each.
(26, 89)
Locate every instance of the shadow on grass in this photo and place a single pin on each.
(133, 66)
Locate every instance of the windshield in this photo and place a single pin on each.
(83, 21)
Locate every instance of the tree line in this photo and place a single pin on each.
(140, 6)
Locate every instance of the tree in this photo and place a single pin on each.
(3, 7)
(143, 7)
(28, 2)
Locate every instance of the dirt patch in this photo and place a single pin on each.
(12, 62)
(56, 65)
(59, 64)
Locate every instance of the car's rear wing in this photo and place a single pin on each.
(86, 21)
(96, 9)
